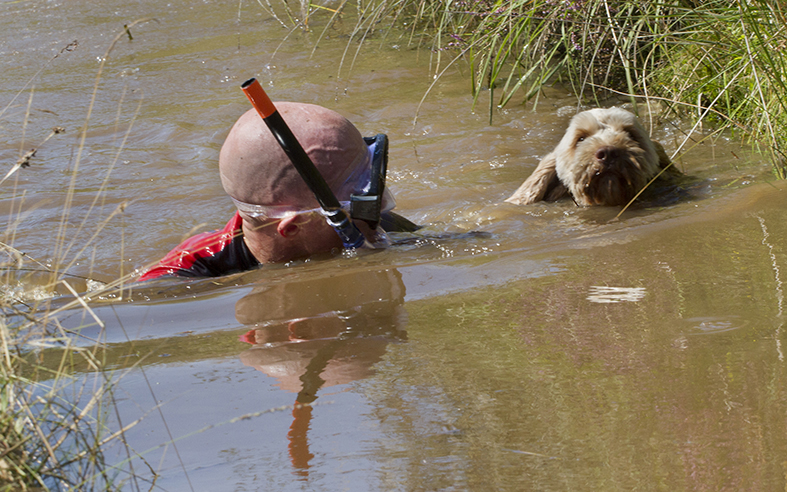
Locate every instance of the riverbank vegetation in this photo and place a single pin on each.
(52, 428)
(54, 420)
(720, 61)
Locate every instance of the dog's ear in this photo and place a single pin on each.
(543, 184)
(664, 160)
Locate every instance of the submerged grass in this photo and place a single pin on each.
(719, 60)
(53, 429)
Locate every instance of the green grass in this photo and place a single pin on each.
(719, 61)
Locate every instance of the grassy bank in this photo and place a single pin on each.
(719, 61)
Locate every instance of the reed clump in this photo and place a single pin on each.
(719, 60)
(57, 420)
(52, 429)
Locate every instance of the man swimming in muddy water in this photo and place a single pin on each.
(278, 218)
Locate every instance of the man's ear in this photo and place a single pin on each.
(288, 227)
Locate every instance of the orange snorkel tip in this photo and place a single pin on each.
(258, 98)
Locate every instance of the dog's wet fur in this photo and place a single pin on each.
(605, 158)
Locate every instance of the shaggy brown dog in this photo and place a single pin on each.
(605, 158)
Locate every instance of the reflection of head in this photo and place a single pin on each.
(255, 170)
(322, 331)
(375, 293)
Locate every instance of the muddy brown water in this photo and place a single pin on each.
(560, 352)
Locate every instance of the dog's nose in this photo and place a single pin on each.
(606, 155)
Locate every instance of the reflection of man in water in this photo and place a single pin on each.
(320, 332)
(277, 218)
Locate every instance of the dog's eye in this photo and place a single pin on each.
(580, 137)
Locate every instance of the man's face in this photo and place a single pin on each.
(319, 237)
(294, 237)
(316, 235)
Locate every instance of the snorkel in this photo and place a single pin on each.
(351, 237)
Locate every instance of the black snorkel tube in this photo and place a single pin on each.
(351, 237)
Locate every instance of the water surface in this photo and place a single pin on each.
(560, 351)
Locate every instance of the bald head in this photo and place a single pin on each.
(254, 169)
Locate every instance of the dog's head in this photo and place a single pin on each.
(605, 157)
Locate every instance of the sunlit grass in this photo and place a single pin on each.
(720, 61)
(54, 425)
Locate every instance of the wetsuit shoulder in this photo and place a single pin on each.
(210, 254)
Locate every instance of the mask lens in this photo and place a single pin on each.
(276, 211)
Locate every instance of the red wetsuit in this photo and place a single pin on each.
(210, 254)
